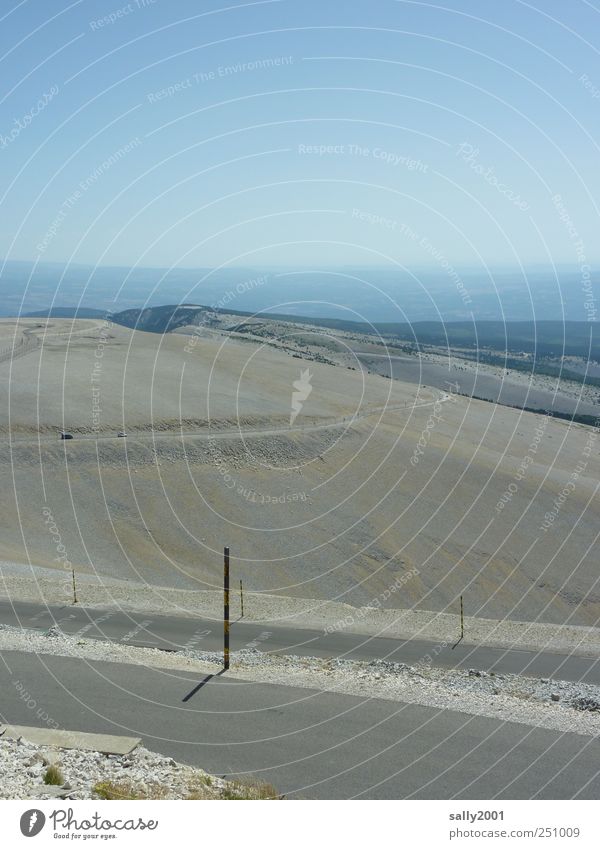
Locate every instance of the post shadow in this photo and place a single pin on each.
(202, 683)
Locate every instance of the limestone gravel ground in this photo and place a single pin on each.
(93, 775)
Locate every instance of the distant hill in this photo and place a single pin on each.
(68, 312)
(544, 338)
(161, 319)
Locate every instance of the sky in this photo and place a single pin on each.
(300, 134)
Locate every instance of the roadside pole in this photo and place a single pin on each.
(242, 598)
(462, 623)
(226, 608)
(74, 590)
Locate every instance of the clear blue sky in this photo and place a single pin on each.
(180, 133)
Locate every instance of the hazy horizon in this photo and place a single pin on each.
(359, 293)
(275, 135)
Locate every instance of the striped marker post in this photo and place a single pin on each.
(226, 608)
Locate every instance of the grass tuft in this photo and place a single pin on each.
(202, 788)
(53, 775)
(127, 790)
(249, 789)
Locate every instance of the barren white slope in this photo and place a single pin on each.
(404, 494)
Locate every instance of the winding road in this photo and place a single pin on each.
(307, 743)
(207, 433)
(172, 633)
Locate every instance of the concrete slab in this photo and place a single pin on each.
(108, 744)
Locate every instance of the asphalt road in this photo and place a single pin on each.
(212, 434)
(173, 633)
(309, 744)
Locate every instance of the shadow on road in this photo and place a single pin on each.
(202, 683)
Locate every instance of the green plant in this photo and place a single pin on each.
(197, 793)
(199, 787)
(53, 775)
(249, 789)
(202, 788)
(126, 790)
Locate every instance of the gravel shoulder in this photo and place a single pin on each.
(47, 586)
(556, 705)
(140, 774)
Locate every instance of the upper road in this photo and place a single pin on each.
(172, 633)
(211, 433)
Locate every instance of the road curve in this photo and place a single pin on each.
(309, 744)
(172, 633)
(229, 433)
